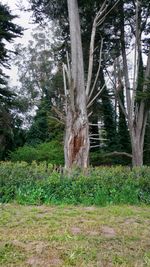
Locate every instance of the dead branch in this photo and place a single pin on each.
(59, 114)
(97, 74)
(94, 138)
(92, 43)
(56, 119)
(99, 92)
(103, 18)
(64, 79)
(116, 153)
(90, 114)
(117, 89)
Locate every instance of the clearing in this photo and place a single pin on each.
(64, 236)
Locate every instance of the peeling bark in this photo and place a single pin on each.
(77, 128)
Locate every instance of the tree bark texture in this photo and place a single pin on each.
(136, 111)
(77, 127)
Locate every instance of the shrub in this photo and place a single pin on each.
(51, 152)
(16, 175)
(40, 183)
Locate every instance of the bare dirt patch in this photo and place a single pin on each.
(36, 261)
(75, 230)
(108, 231)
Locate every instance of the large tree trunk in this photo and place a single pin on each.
(77, 128)
(137, 149)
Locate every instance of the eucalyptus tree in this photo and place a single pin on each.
(41, 84)
(136, 16)
(52, 10)
(77, 127)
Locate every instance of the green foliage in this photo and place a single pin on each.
(147, 142)
(44, 128)
(15, 175)
(51, 152)
(102, 157)
(39, 131)
(9, 253)
(41, 183)
(8, 31)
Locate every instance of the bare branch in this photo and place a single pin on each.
(97, 74)
(99, 91)
(68, 74)
(120, 85)
(59, 114)
(56, 119)
(92, 42)
(136, 57)
(108, 73)
(122, 106)
(116, 153)
(64, 79)
(103, 18)
(90, 68)
(69, 69)
(90, 114)
(94, 138)
(97, 21)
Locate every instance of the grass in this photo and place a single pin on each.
(65, 236)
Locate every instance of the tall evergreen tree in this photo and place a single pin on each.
(8, 32)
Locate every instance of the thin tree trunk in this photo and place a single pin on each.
(77, 129)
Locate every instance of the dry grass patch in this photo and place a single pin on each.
(65, 236)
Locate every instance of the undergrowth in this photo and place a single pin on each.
(40, 183)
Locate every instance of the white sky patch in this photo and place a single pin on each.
(25, 20)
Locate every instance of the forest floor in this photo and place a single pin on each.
(74, 236)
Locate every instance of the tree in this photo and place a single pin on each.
(52, 10)
(77, 128)
(147, 142)
(8, 31)
(41, 82)
(136, 111)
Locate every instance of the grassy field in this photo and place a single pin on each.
(74, 236)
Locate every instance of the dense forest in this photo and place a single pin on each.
(83, 88)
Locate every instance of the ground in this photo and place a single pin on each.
(65, 236)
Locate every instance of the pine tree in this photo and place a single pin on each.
(8, 32)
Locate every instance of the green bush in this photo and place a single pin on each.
(100, 157)
(51, 152)
(40, 183)
(16, 175)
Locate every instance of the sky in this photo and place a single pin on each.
(25, 20)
